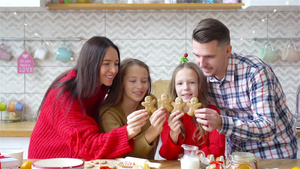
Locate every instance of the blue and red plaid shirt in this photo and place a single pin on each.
(255, 116)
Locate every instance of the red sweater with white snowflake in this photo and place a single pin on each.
(214, 144)
(58, 134)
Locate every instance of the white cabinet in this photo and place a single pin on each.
(15, 143)
(256, 3)
(22, 3)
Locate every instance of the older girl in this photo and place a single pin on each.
(128, 92)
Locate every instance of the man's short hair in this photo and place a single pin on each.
(211, 29)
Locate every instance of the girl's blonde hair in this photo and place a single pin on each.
(202, 94)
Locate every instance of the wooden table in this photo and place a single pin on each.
(262, 164)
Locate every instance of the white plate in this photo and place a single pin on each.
(58, 163)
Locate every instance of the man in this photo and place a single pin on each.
(254, 115)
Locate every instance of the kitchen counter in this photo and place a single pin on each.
(24, 129)
(16, 129)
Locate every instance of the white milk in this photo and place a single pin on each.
(190, 163)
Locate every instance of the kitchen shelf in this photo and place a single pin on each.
(180, 6)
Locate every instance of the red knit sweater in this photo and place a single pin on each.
(74, 135)
(214, 144)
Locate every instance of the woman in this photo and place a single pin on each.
(188, 81)
(66, 127)
(125, 98)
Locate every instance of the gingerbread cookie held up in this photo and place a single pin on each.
(178, 105)
(193, 105)
(165, 101)
(149, 104)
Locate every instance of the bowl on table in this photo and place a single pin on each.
(58, 163)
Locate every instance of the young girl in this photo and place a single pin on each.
(66, 127)
(125, 98)
(189, 81)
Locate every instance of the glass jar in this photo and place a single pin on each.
(242, 160)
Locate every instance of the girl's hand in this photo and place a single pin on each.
(136, 121)
(158, 119)
(175, 125)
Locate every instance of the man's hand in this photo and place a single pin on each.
(209, 118)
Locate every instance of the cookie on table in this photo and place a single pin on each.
(126, 164)
(99, 161)
(88, 165)
(165, 101)
(149, 104)
(146, 166)
(193, 105)
(178, 105)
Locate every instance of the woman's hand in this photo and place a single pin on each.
(175, 125)
(136, 120)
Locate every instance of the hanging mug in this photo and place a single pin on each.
(63, 53)
(268, 53)
(290, 53)
(3, 52)
(40, 52)
(11, 105)
(2, 105)
(19, 105)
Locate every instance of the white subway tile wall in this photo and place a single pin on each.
(158, 37)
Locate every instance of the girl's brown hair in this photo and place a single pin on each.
(202, 94)
(115, 95)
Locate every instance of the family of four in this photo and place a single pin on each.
(94, 111)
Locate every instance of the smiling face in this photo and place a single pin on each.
(109, 67)
(135, 83)
(186, 84)
(212, 58)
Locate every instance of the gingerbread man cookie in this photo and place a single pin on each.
(178, 105)
(165, 101)
(193, 105)
(149, 104)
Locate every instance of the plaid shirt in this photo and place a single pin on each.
(255, 117)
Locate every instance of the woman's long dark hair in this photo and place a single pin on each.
(87, 81)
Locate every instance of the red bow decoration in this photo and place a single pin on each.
(217, 164)
(2, 156)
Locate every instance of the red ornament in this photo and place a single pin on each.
(185, 55)
(218, 164)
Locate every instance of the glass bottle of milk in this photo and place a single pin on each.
(190, 159)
